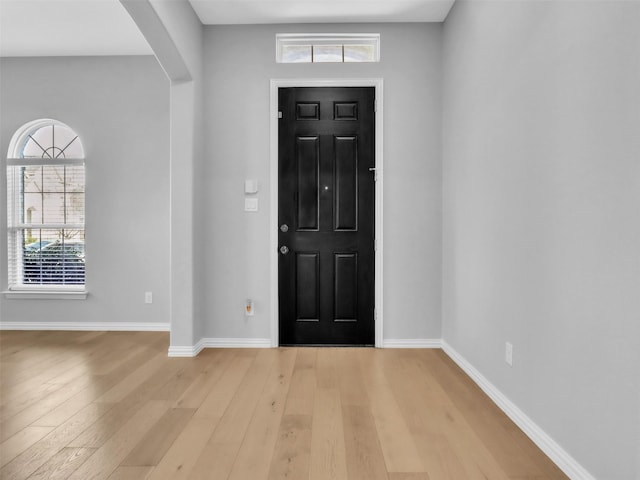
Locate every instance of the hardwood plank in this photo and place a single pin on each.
(364, 455)
(23, 357)
(215, 461)
(348, 375)
(114, 358)
(62, 353)
(217, 400)
(14, 446)
(99, 386)
(97, 358)
(14, 340)
(66, 410)
(470, 451)
(89, 336)
(106, 426)
(18, 403)
(255, 454)
(187, 458)
(195, 394)
(188, 370)
(65, 367)
(42, 451)
(31, 385)
(108, 457)
(293, 448)
(131, 473)
(152, 447)
(439, 457)
(418, 401)
(180, 459)
(327, 369)
(63, 464)
(134, 379)
(38, 409)
(328, 459)
(408, 366)
(531, 478)
(409, 476)
(398, 447)
(303, 384)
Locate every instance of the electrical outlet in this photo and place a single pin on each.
(148, 297)
(249, 309)
(508, 354)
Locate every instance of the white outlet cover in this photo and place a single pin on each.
(508, 354)
(250, 204)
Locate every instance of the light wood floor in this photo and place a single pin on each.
(95, 405)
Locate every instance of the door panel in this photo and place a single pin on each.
(308, 166)
(326, 211)
(346, 287)
(346, 183)
(307, 287)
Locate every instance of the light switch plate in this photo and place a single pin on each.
(251, 186)
(250, 204)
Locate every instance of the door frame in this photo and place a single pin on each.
(276, 84)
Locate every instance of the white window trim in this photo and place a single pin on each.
(28, 162)
(39, 292)
(43, 293)
(303, 39)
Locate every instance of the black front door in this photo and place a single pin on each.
(326, 216)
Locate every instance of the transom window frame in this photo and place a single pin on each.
(284, 40)
(50, 155)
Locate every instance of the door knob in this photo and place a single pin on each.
(284, 250)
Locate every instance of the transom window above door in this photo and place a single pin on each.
(327, 48)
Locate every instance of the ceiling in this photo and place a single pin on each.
(214, 12)
(103, 27)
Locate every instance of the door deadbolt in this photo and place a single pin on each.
(284, 250)
(284, 228)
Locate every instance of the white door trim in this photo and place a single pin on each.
(273, 165)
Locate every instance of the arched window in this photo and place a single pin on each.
(45, 207)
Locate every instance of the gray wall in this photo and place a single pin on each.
(541, 232)
(182, 31)
(120, 108)
(239, 64)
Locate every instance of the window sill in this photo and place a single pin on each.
(45, 295)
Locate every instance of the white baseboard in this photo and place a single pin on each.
(87, 326)
(550, 447)
(185, 351)
(412, 343)
(193, 350)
